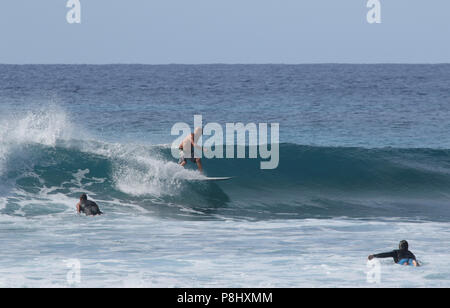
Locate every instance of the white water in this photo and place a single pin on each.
(43, 126)
(137, 171)
(135, 250)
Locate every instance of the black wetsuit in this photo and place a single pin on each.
(397, 255)
(90, 208)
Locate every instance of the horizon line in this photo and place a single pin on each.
(237, 63)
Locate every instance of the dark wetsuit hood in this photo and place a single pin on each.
(403, 245)
(90, 208)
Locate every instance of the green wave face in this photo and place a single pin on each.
(319, 182)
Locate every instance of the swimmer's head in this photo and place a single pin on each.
(83, 197)
(403, 245)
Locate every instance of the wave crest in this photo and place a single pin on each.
(42, 158)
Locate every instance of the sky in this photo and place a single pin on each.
(224, 31)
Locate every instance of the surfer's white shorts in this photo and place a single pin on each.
(184, 159)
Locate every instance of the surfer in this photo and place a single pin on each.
(187, 149)
(401, 256)
(90, 208)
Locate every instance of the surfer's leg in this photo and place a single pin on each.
(182, 161)
(199, 164)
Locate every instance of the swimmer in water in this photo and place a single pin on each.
(90, 208)
(401, 256)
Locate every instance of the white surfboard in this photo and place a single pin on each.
(215, 179)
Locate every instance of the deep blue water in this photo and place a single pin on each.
(329, 105)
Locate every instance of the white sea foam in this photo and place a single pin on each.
(137, 170)
(151, 252)
(43, 126)
(3, 202)
(140, 171)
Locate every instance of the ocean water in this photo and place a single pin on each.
(364, 163)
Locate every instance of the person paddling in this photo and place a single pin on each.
(401, 256)
(90, 208)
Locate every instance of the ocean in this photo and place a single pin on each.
(364, 163)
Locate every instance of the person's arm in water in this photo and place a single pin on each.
(78, 207)
(383, 255)
(392, 254)
(414, 262)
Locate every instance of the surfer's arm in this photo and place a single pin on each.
(414, 262)
(383, 255)
(195, 145)
(78, 207)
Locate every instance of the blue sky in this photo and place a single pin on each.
(224, 31)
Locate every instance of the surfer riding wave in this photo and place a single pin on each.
(187, 149)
